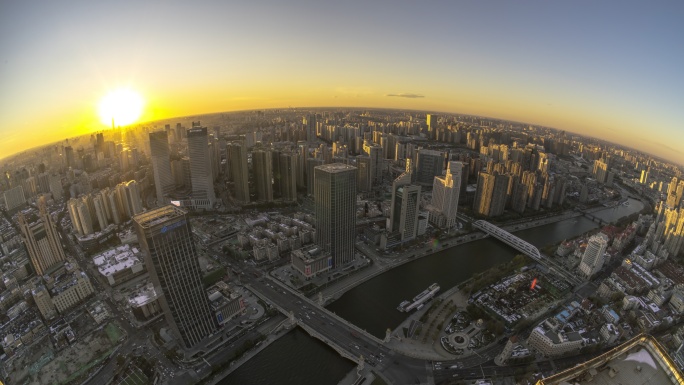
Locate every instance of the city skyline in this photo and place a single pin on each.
(592, 69)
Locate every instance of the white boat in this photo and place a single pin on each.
(420, 299)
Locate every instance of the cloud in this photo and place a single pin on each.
(405, 95)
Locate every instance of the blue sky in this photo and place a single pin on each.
(607, 69)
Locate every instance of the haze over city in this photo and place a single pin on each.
(341, 193)
(606, 69)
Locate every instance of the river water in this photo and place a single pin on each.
(372, 305)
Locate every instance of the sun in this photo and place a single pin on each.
(123, 106)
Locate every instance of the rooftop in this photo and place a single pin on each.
(157, 216)
(117, 259)
(639, 361)
(336, 167)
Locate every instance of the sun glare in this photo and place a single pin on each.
(122, 105)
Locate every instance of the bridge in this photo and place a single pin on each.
(345, 338)
(527, 249)
(509, 239)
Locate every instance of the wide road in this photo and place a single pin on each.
(394, 367)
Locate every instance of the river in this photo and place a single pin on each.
(372, 305)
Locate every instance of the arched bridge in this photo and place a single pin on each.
(526, 248)
(510, 239)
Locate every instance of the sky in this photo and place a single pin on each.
(608, 69)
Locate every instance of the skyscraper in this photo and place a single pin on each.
(335, 202)
(41, 240)
(288, 176)
(165, 235)
(310, 128)
(200, 168)
(404, 209)
(237, 152)
(429, 164)
(263, 175)
(161, 165)
(490, 196)
(445, 195)
(593, 257)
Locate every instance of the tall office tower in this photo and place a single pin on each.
(600, 171)
(43, 182)
(200, 168)
(288, 176)
(335, 201)
(364, 182)
(490, 196)
(404, 209)
(99, 144)
(263, 176)
(431, 120)
(311, 164)
(56, 187)
(238, 170)
(214, 157)
(593, 257)
(644, 177)
(429, 164)
(14, 198)
(100, 212)
(42, 241)
(374, 152)
(161, 165)
(69, 155)
(445, 194)
(30, 186)
(310, 123)
(165, 235)
(302, 154)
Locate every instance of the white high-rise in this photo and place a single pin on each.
(161, 165)
(445, 194)
(593, 257)
(203, 195)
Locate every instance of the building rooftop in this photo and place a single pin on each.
(144, 296)
(336, 167)
(639, 361)
(157, 216)
(117, 259)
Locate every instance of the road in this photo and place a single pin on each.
(395, 367)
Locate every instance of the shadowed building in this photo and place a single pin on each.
(335, 201)
(165, 235)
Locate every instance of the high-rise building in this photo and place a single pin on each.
(311, 164)
(14, 198)
(364, 182)
(288, 176)
(310, 123)
(203, 195)
(56, 187)
(429, 164)
(377, 163)
(42, 241)
(165, 235)
(490, 196)
(131, 197)
(69, 155)
(161, 165)
(237, 152)
(445, 195)
(431, 121)
(263, 176)
(600, 171)
(335, 202)
(404, 209)
(593, 257)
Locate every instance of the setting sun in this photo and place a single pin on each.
(122, 105)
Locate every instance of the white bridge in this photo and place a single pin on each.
(526, 248)
(509, 239)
